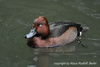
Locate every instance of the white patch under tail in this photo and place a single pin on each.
(80, 33)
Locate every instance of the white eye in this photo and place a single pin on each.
(40, 25)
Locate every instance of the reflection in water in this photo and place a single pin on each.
(66, 48)
(40, 61)
(42, 54)
(43, 61)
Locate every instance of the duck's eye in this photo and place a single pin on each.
(40, 25)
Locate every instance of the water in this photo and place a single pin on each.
(16, 18)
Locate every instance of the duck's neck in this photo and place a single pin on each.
(46, 33)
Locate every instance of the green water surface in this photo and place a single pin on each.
(16, 18)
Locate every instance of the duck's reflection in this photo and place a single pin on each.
(40, 61)
(42, 56)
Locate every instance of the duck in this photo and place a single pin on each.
(44, 34)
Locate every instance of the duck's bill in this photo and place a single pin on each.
(31, 34)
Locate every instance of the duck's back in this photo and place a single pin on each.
(58, 28)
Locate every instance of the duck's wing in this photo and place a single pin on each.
(58, 28)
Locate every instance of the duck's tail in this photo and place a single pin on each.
(85, 29)
(82, 29)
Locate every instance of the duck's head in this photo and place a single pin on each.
(40, 27)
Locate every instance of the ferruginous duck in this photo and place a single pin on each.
(55, 34)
